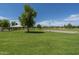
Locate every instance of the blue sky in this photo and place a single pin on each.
(11, 11)
(47, 14)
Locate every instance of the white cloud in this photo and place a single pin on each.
(52, 23)
(1, 18)
(73, 19)
(46, 22)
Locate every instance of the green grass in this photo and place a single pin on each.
(18, 42)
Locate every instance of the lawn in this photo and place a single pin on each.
(48, 43)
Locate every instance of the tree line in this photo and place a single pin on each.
(5, 24)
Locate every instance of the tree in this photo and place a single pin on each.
(13, 23)
(4, 24)
(27, 18)
(68, 25)
(39, 26)
(1, 28)
(0, 23)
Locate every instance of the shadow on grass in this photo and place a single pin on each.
(35, 32)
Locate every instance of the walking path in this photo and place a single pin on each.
(61, 31)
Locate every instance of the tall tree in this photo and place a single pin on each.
(27, 18)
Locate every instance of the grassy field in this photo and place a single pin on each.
(48, 43)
